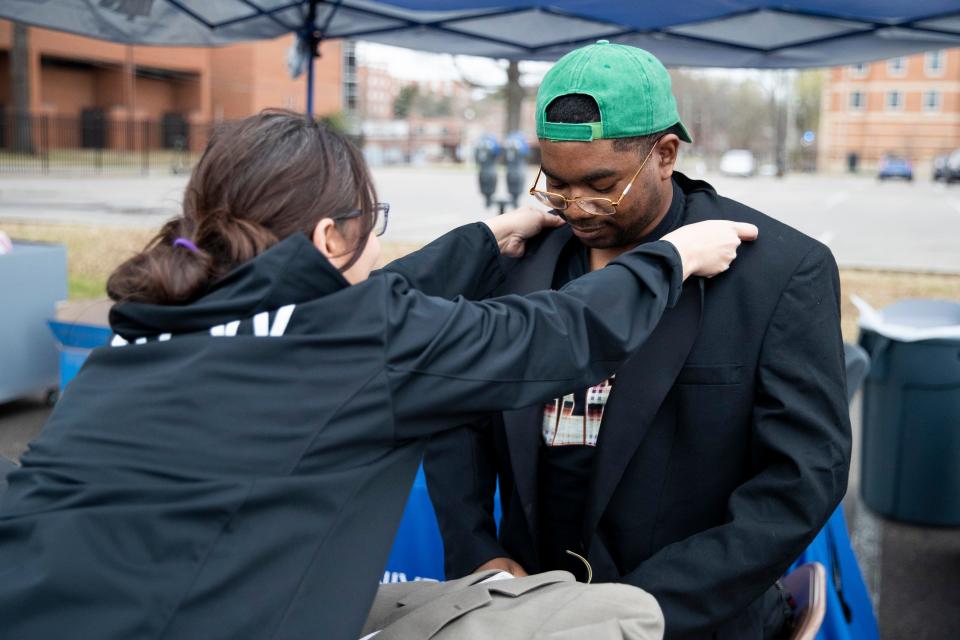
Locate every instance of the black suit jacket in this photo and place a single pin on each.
(724, 445)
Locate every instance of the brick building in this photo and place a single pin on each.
(378, 89)
(91, 93)
(908, 106)
(434, 129)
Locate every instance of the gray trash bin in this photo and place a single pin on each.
(911, 413)
(33, 278)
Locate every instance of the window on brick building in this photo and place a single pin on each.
(897, 66)
(934, 62)
(931, 101)
(894, 100)
(858, 100)
(859, 70)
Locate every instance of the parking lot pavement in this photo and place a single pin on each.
(115, 201)
(866, 223)
(20, 422)
(888, 225)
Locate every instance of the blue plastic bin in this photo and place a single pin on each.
(75, 341)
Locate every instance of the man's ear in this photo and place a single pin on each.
(328, 240)
(667, 155)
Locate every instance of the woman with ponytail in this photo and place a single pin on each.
(235, 463)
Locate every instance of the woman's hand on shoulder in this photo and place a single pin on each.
(707, 248)
(514, 228)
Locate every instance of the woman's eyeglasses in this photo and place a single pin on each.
(381, 213)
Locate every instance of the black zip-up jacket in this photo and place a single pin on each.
(237, 467)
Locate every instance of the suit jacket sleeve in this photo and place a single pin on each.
(462, 480)
(464, 262)
(448, 361)
(800, 451)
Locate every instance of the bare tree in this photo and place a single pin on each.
(726, 112)
(513, 92)
(808, 92)
(515, 95)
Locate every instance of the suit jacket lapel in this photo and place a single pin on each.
(534, 272)
(522, 426)
(645, 379)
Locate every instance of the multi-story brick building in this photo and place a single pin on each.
(93, 93)
(432, 131)
(377, 92)
(909, 106)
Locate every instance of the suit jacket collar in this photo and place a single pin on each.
(690, 186)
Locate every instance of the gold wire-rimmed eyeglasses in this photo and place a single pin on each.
(592, 205)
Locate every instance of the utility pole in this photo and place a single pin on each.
(20, 89)
(130, 87)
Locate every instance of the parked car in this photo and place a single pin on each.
(738, 162)
(892, 166)
(952, 170)
(940, 168)
(768, 169)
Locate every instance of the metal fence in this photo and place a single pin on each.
(95, 143)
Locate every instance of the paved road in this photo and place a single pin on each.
(890, 225)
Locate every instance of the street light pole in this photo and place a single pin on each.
(310, 32)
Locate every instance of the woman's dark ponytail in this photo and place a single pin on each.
(259, 181)
(163, 273)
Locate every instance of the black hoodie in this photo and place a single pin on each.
(237, 467)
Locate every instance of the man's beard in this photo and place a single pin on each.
(615, 237)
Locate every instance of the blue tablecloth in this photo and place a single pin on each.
(418, 549)
(418, 555)
(850, 613)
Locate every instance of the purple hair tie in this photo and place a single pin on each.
(186, 244)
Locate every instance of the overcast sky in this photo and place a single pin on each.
(417, 65)
(408, 64)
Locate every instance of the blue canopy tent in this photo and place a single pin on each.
(763, 34)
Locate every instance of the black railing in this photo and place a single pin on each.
(95, 143)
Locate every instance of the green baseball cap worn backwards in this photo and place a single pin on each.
(631, 87)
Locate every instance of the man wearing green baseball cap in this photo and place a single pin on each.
(705, 466)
